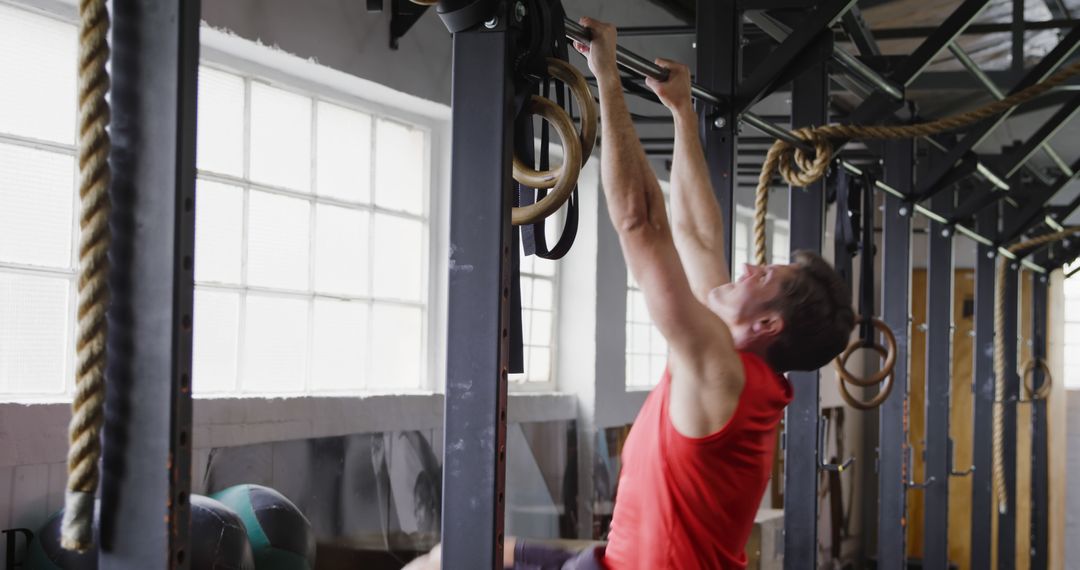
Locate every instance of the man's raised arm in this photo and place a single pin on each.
(698, 224)
(637, 210)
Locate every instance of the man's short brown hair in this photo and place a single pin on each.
(815, 306)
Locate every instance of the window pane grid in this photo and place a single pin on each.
(241, 306)
(38, 238)
(538, 284)
(332, 287)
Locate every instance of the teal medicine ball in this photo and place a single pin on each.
(218, 541)
(45, 553)
(280, 535)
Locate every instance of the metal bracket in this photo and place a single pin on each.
(911, 484)
(952, 461)
(403, 14)
(823, 428)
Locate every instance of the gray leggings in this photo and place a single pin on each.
(529, 556)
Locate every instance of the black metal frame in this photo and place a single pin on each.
(403, 15)
(718, 69)
(146, 468)
(479, 296)
(896, 311)
(938, 379)
(810, 96)
(933, 182)
(983, 397)
(1040, 482)
(795, 52)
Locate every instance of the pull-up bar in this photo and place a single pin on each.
(645, 68)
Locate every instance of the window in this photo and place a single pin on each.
(1072, 330)
(646, 348)
(537, 320)
(293, 191)
(293, 194)
(38, 230)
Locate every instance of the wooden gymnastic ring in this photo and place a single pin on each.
(565, 178)
(1029, 378)
(888, 350)
(881, 396)
(573, 79)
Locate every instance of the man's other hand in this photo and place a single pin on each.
(675, 91)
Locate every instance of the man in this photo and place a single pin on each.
(698, 458)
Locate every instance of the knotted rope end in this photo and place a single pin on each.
(76, 528)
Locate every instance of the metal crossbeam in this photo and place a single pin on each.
(985, 196)
(763, 79)
(860, 33)
(878, 106)
(974, 29)
(1041, 138)
(982, 77)
(932, 182)
(1032, 211)
(780, 32)
(637, 64)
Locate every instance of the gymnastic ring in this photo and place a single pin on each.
(1029, 379)
(564, 179)
(888, 350)
(569, 75)
(881, 396)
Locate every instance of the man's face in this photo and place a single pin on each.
(744, 303)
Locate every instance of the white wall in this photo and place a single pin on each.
(1072, 493)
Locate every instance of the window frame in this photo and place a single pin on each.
(71, 272)
(246, 184)
(225, 52)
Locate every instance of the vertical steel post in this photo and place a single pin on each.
(983, 398)
(1007, 521)
(809, 101)
(146, 468)
(1039, 475)
(719, 33)
(479, 296)
(896, 309)
(939, 316)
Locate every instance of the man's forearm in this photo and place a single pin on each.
(698, 227)
(624, 168)
(694, 210)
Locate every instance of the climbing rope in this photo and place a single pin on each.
(999, 360)
(86, 407)
(802, 168)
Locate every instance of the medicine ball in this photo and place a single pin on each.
(280, 535)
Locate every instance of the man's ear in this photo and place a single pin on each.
(769, 326)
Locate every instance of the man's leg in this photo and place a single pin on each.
(539, 556)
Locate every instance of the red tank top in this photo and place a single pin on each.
(689, 503)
